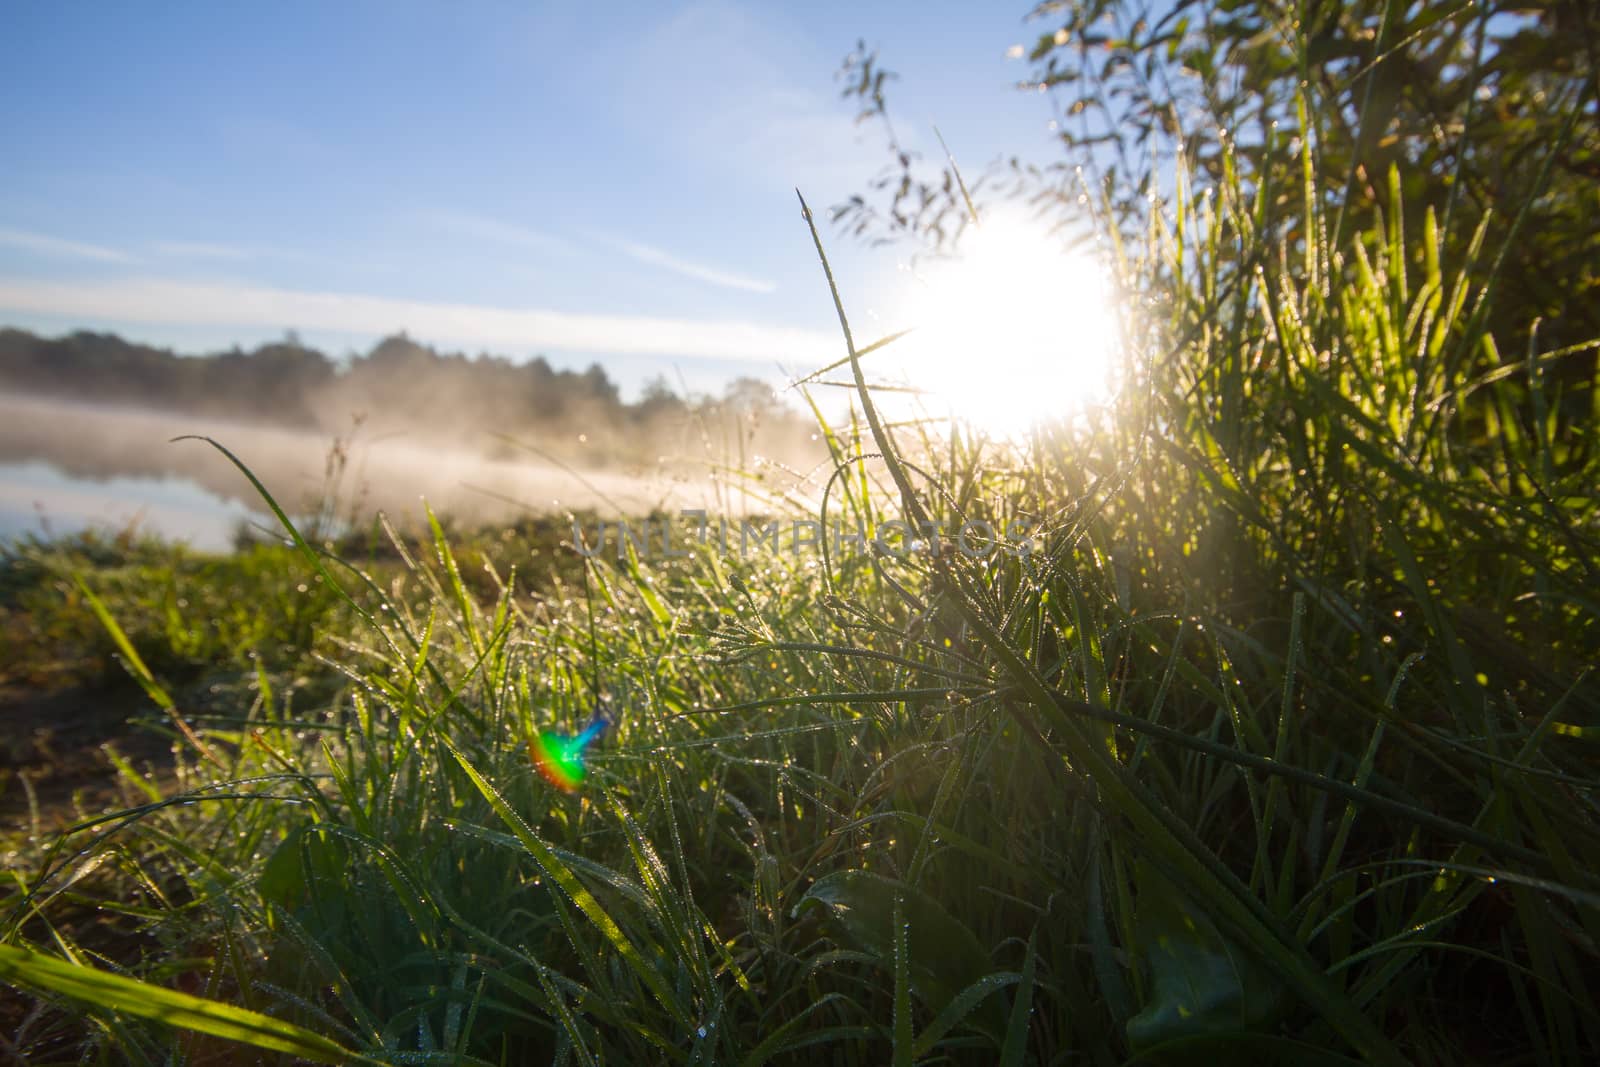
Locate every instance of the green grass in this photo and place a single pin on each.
(1281, 746)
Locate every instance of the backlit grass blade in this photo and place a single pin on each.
(142, 674)
(111, 992)
(904, 1053)
(547, 860)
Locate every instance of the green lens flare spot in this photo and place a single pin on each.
(559, 757)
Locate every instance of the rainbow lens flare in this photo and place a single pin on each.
(559, 757)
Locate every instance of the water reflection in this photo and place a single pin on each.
(37, 498)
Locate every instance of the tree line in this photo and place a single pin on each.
(400, 385)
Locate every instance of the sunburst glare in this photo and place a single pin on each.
(1012, 331)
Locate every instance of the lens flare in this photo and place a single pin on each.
(559, 757)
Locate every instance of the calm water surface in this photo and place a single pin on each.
(38, 498)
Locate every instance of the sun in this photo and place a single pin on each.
(1013, 331)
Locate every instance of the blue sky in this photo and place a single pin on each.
(608, 182)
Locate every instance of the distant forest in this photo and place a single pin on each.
(399, 386)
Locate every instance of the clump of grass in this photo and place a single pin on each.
(1280, 744)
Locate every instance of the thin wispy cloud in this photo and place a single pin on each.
(176, 303)
(202, 250)
(481, 228)
(699, 272)
(56, 246)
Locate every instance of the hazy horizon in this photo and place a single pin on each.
(649, 221)
(115, 466)
(407, 170)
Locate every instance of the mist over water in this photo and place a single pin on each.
(64, 465)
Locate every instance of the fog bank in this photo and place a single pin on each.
(392, 472)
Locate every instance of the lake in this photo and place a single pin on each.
(66, 466)
(38, 498)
